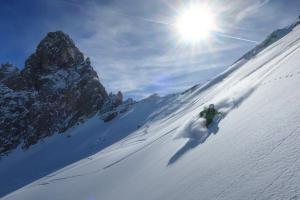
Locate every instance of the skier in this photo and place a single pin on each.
(209, 114)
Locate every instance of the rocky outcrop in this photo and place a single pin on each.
(53, 92)
(114, 105)
(8, 71)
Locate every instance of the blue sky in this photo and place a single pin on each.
(131, 43)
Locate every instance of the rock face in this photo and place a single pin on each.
(53, 92)
(114, 105)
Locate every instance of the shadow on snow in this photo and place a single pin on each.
(194, 142)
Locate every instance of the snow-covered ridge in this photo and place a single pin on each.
(273, 37)
(158, 149)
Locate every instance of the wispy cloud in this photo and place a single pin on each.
(133, 46)
(140, 56)
(251, 8)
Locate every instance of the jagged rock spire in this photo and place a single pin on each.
(56, 49)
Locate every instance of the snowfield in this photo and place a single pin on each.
(160, 149)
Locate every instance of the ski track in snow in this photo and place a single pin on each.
(103, 168)
(131, 154)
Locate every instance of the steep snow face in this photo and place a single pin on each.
(53, 153)
(164, 152)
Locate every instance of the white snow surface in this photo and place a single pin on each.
(160, 150)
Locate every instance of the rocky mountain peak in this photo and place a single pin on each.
(56, 89)
(56, 49)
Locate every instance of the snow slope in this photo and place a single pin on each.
(163, 152)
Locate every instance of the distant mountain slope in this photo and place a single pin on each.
(159, 149)
(273, 37)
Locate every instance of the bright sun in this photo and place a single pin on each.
(195, 23)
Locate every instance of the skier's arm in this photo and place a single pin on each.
(221, 114)
(202, 113)
(218, 113)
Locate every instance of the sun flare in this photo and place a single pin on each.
(195, 23)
